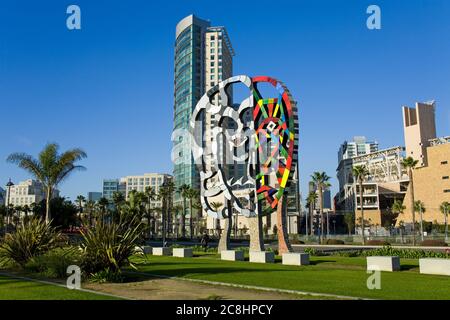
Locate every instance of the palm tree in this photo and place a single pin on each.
(166, 193)
(80, 200)
(191, 194)
(90, 208)
(50, 168)
(199, 221)
(311, 199)
(445, 209)
(182, 190)
(118, 199)
(349, 219)
(150, 195)
(103, 204)
(398, 208)
(177, 209)
(320, 180)
(419, 206)
(409, 164)
(360, 173)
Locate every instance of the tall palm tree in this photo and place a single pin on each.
(360, 173)
(118, 199)
(311, 199)
(199, 223)
(445, 209)
(166, 195)
(409, 164)
(103, 204)
(399, 208)
(321, 181)
(80, 201)
(183, 190)
(150, 196)
(419, 207)
(89, 209)
(191, 194)
(50, 168)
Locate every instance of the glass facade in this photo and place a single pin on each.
(189, 87)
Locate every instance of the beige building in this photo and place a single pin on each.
(26, 192)
(141, 182)
(431, 182)
(419, 127)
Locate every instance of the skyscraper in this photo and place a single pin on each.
(203, 58)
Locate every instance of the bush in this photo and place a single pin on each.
(296, 241)
(335, 241)
(108, 247)
(377, 243)
(314, 252)
(31, 239)
(404, 253)
(106, 275)
(54, 263)
(433, 243)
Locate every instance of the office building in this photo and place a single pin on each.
(141, 182)
(94, 196)
(26, 193)
(2, 196)
(358, 147)
(203, 57)
(113, 185)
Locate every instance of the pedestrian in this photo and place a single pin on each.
(204, 241)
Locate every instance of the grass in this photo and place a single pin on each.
(18, 289)
(329, 274)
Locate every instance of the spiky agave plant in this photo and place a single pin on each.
(31, 239)
(108, 246)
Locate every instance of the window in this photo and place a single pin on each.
(445, 178)
(213, 50)
(212, 57)
(213, 38)
(444, 162)
(212, 44)
(212, 84)
(212, 63)
(212, 77)
(447, 191)
(212, 70)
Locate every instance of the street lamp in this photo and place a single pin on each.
(8, 189)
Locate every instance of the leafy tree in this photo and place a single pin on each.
(349, 219)
(191, 195)
(50, 168)
(80, 201)
(445, 209)
(419, 207)
(183, 191)
(409, 164)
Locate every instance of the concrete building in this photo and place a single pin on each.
(2, 196)
(203, 57)
(141, 182)
(431, 176)
(358, 147)
(94, 196)
(27, 192)
(419, 128)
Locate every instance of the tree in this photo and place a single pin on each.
(50, 168)
(360, 173)
(183, 190)
(103, 204)
(419, 206)
(150, 195)
(311, 200)
(118, 199)
(445, 209)
(80, 201)
(349, 219)
(409, 164)
(191, 194)
(320, 180)
(166, 194)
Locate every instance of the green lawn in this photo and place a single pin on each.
(17, 289)
(329, 274)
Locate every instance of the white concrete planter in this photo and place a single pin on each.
(182, 252)
(385, 263)
(435, 266)
(162, 251)
(295, 259)
(232, 255)
(262, 256)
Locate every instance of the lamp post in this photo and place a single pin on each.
(8, 188)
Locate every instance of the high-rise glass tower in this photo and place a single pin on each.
(203, 58)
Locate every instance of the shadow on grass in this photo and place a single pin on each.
(408, 267)
(316, 262)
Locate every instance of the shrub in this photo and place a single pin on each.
(377, 243)
(108, 247)
(31, 239)
(335, 241)
(314, 252)
(106, 275)
(404, 253)
(296, 241)
(348, 254)
(54, 263)
(433, 243)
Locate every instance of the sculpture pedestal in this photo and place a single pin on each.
(262, 256)
(182, 252)
(434, 266)
(162, 251)
(295, 259)
(232, 255)
(386, 263)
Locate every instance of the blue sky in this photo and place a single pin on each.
(108, 88)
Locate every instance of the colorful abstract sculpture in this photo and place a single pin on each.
(266, 143)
